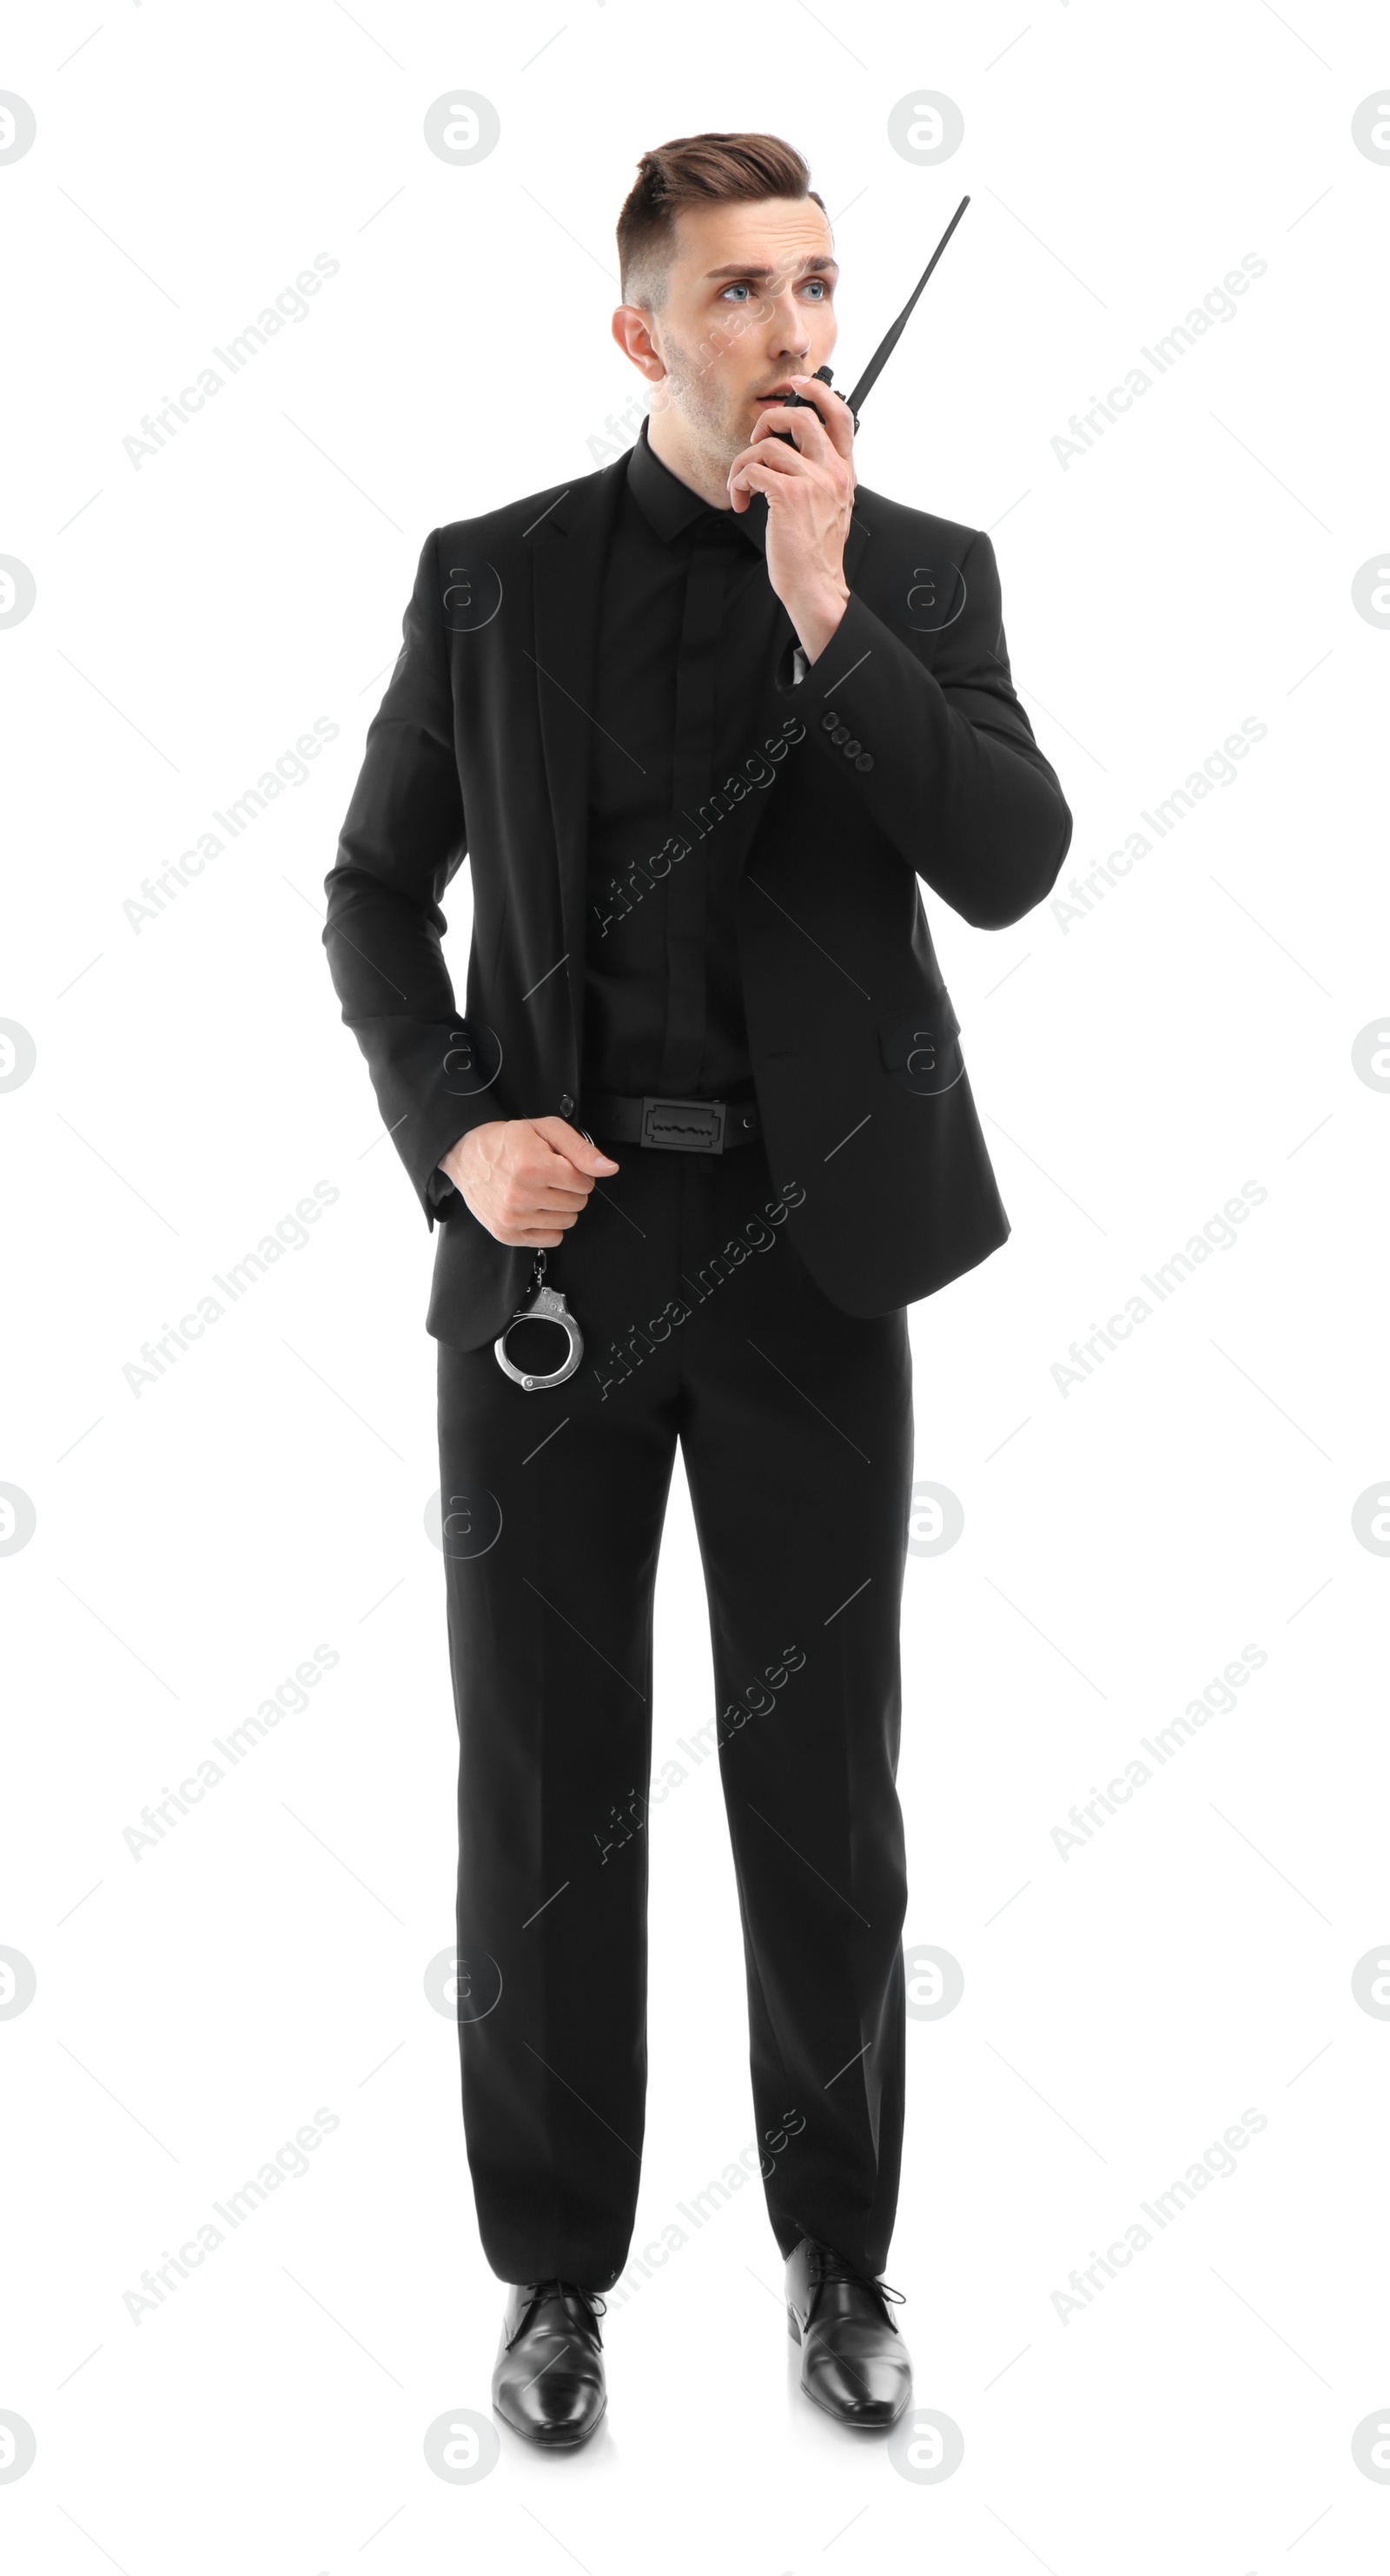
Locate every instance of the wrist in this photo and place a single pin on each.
(817, 618)
(463, 1151)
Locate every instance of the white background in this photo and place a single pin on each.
(1123, 1541)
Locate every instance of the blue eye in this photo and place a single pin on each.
(735, 290)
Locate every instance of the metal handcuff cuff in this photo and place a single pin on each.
(547, 1306)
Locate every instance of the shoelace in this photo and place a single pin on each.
(830, 2266)
(592, 2301)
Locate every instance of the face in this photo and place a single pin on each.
(749, 304)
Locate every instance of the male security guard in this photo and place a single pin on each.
(701, 721)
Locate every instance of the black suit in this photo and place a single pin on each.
(747, 1307)
(482, 744)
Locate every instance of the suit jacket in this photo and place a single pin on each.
(903, 754)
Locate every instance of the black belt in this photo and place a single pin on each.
(678, 1126)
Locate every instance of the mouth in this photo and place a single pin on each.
(779, 394)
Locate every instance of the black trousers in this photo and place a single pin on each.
(795, 1420)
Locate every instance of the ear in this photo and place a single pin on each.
(632, 331)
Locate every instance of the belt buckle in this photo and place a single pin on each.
(691, 1126)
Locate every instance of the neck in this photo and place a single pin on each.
(670, 441)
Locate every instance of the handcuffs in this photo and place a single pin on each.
(547, 1307)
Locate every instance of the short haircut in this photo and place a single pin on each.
(697, 170)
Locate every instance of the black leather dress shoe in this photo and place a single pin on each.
(548, 2382)
(854, 2363)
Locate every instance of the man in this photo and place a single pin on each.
(701, 721)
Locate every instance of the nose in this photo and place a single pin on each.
(789, 328)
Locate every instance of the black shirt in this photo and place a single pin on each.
(689, 630)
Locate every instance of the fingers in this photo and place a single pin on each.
(772, 451)
(799, 464)
(535, 1179)
(757, 477)
(545, 1182)
(575, 1149)
(538, 1226)
(827, 425)
(805, 427)
(758, 468)
(832, 411)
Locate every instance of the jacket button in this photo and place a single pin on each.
(566, 1104)
(840, 734)
(865, 760)
(828, 723)
(853, 750)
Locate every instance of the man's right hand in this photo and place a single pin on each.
(525, 1179)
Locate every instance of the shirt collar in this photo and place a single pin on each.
(670, 507)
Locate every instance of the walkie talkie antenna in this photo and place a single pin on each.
(889, 342)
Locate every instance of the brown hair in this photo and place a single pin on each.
(697, 169)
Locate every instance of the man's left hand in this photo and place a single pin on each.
(810, 499)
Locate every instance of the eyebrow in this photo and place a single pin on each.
(751, 268)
